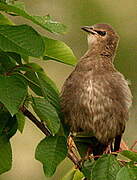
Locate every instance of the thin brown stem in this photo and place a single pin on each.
(39, 124)
(72, 152)
(135, 143)
(74, 159)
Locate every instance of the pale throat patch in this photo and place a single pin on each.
(91, 40)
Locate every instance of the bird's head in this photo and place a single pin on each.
(102, 37)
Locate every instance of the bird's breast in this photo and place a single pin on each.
(96, 103)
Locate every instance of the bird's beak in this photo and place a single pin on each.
(89, 29)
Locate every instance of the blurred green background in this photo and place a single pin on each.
(121, 14)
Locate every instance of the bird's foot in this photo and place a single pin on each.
(107, 150)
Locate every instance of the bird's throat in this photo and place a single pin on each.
(98, 50)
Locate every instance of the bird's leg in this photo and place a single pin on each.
(112, 147)
(89, 152)
(108, 149)
(117, 143)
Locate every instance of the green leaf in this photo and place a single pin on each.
(11, 127)
(69, 175)
(13, 90)
(106, 167)
(16, 57)
(33, 82)
(25, 58)
(44, 21)
(50, 152)
(47, 23)
(73, 174)
(87, 167)
(47, 113)
(42, 85)
(44, 78)
(4, 117)
(5, 155)
(58, 51)
(34, 67)
(6, 63)
(78, 175)
(49, 90)
(21, 39)
(21, 121)
(30, 67)
(130, 155)
(8, 124)
(5, 20)
(127, 173)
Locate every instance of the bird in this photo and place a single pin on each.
(96, 97)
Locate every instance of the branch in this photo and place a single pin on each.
(39, 124)
(74, 159)
(71, 152)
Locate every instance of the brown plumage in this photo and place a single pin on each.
(96, 97)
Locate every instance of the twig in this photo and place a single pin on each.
(71, 152)
(39, 124)
(123, 145)
(74, 159)
(135, 143)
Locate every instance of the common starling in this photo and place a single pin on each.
(96, 97)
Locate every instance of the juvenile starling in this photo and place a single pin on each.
(96, 97)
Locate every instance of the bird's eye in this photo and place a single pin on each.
(101, 33)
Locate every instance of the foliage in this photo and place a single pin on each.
(50, 152)
(18, 75)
